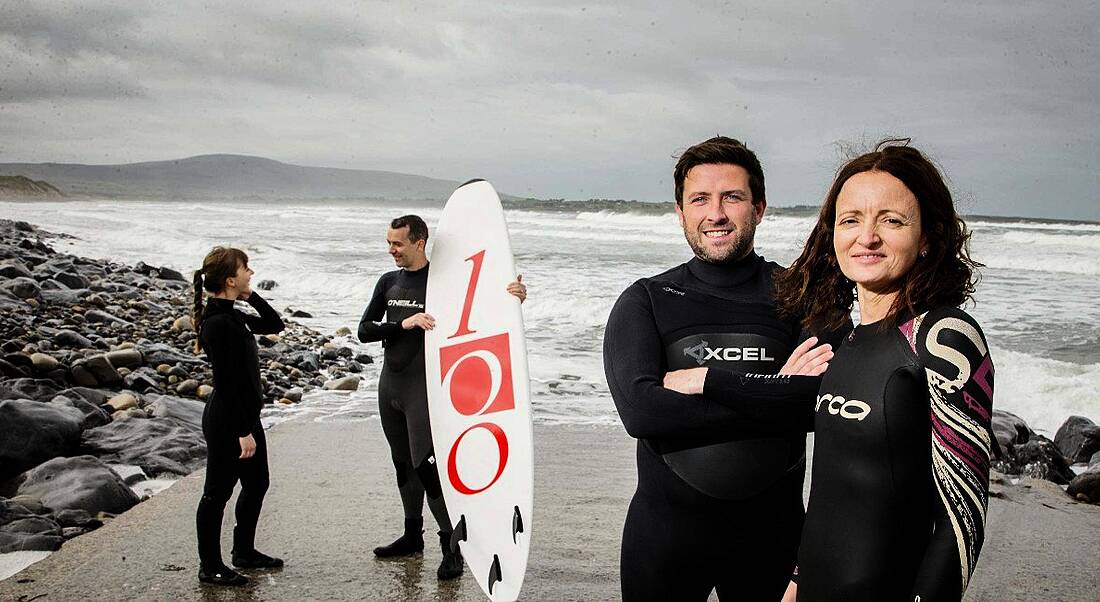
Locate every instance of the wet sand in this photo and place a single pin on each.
(333, 499)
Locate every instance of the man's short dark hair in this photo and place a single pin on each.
(720, 150)
(418, 230)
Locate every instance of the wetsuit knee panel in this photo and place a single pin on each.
(429, 477)
(216, 498)
(403, 470)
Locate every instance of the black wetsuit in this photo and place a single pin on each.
(402, 391)
(709, 512)
(233, 412)
(901, 463)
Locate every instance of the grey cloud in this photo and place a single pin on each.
(572, 99)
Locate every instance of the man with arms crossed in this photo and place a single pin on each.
(720, 471)
(396, 317)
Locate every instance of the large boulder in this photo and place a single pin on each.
(16, 269)
(1078, 438)
(169, 274)
(93, 414)
(306, 360)
(124, 358)
(29, 388)
(83, 483)
(96, 315)
(1039, 458)
(96, 397)
(157, 445)
(65, 296)
(101, 368)
(159, 353)
(44, 362)
(23, 531)
(10, 370)
(168, 406)
(1009, 429)
(69, 338)
(34, 432)
(1086, 487)
(71, 279)
(23, 288)
(347, 383)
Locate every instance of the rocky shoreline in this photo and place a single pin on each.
(100, 392)
(1020, 452)
(101, 395)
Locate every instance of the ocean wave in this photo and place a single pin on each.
(1060, 241)
(1044, 392)
(1065, 263)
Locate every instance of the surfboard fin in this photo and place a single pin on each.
(459, 533)
(494, 573)
(517, 524)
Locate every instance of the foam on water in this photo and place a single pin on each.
(1044, 392)
(1037, 302)
(13, 562)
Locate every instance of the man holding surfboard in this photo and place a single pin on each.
(395, 316)
(694, 361)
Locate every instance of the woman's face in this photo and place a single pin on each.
(877, 234)
(242, 280)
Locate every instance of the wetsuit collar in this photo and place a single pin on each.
(423, 270)
(726, 274)
(217, 305)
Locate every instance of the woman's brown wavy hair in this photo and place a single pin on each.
(815, 290)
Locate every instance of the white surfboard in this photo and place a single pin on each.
(479, 390)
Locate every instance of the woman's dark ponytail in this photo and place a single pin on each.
(196, 311)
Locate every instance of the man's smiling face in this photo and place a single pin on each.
(717, 213)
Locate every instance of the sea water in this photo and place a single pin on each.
(1037, 300)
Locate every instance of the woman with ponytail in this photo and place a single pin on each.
(236, 446)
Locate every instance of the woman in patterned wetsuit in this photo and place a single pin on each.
(902, 419)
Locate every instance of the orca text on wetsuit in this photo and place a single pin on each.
(901, 463)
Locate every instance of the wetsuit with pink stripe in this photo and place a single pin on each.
(901, 463)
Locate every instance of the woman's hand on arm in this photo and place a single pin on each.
(808, 360)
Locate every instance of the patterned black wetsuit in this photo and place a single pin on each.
(402, 391)
(901, 463)
(709, 512)
(233, 412)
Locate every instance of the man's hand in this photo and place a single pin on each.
(517, 289)
(689, 381)
(248, 447)
(420, 320)
(807, 360)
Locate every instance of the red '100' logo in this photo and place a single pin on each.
(477, 378)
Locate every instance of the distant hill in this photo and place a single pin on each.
(23, 187)
(229, 176)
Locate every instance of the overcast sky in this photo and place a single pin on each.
(563, 99)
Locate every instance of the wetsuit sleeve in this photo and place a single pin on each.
(268, 322)
(952, 350)
(226, 350)
(371, 326)
(635, 366)
(776, 404)
(773, 403)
